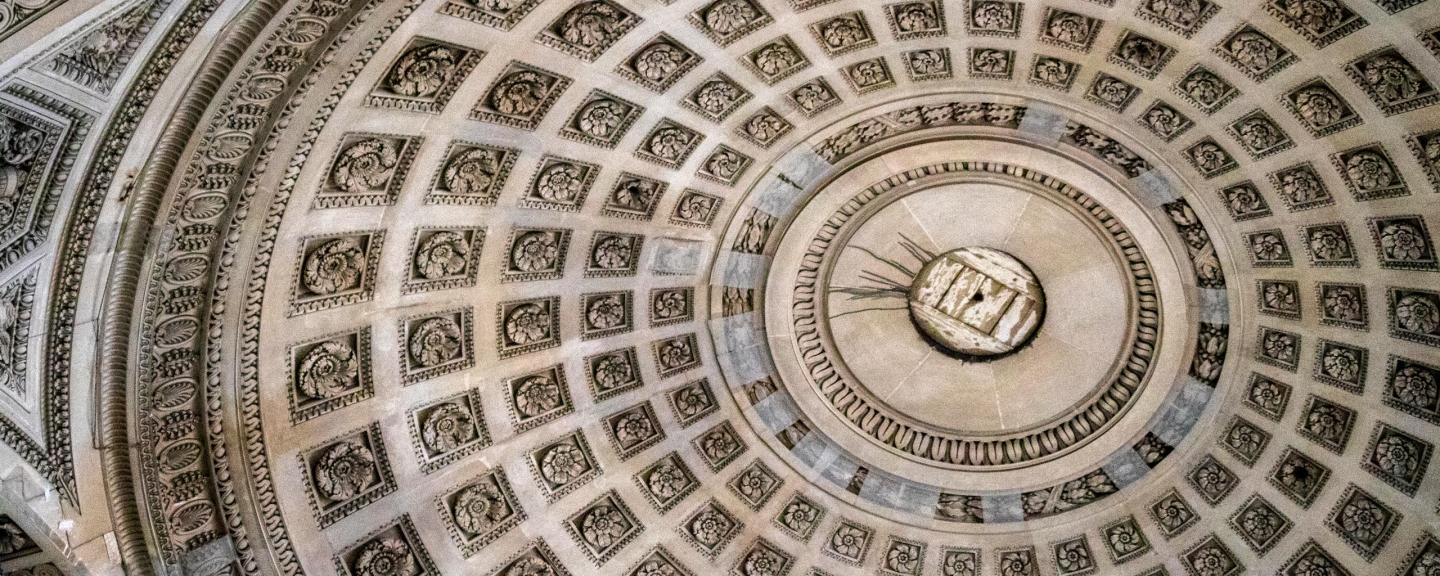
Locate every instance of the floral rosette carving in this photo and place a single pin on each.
(328, 370)
(670, 304)
(592, 25)
(1319, 106)
(925, 62)
(603, 526)
(727, 17)
(1369, 170)
(563, 464)
(718, 444)
(916, 17)
(1363, 519)
(633, 428)
(447, 428)
(1415, 387)
(473, 171)
(849, 541)
(612, 253)
(345, 470)
(612, 371)
(1073, 556)
(606, 312)
(530, 566)
(528, 323)
(560, 183)
(675, 354)
(710, 528)
(1402, 241)
(12, 538)
(656, 63)
(534, 251)
(1341, 364)
(666, 481)
(1209, 561)
(765, 127)
(776, 58)
(386, 557)
(537, 395)
(422, 72)
(1343, 304)
(716, 96)
(762, 562)
(1254, 51)
(1244, 200)
(1279, 296)
(991, 61)
(1397, 456)
(1205, 87)
(843, 31)
(481, 507)
(442, 254)
(1182, 12)
(435, 342)
(520, 94)
(798, 515)
(753, 483)
(669, 143)
(990, 15)
(959, 564)
(601, 117)
(1329, 244)
(1392, 79)
(724, 164)
(334, 267)
(1069, 27)
(365, 165)
(1416, 313)
(1301, 186)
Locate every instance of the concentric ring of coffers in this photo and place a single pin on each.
(740, 303)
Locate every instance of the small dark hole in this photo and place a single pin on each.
(978, 297)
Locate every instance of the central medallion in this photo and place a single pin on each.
(977, 301)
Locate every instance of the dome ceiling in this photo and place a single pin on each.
(525, 287)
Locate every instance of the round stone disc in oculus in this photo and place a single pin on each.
(977, 301)
(933, 367)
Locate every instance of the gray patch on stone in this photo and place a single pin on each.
(776, 197)
(738, 332)
(1043, 125)
(1000, 508)
(1155, 188)
(841, 470)
(894, 492)
(1125, 467)
(815, 450)
(211, 558)
(1183, 411)
(919, 499)
(803, 167)
(744, 270)
(676, 256)
(745, 365)
(777, 411)
(880, 487)
(1214, 306)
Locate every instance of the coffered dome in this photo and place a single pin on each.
(755, 287)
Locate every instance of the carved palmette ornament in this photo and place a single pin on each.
(977, 301)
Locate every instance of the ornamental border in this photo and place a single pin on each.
(947, 447)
